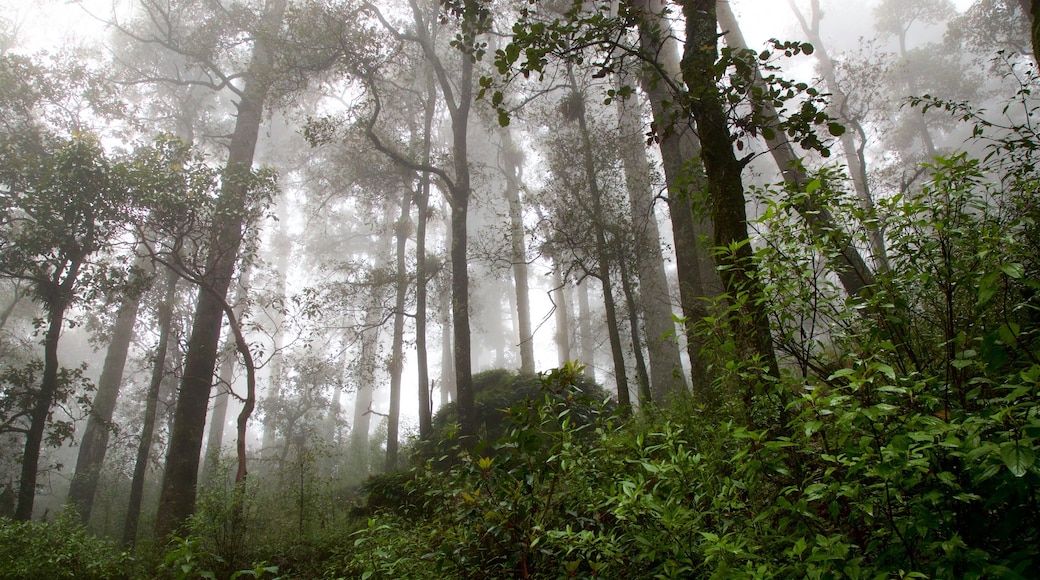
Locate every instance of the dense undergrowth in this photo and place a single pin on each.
(899, 442)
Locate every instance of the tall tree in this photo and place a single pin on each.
(94, 443)
(177, 499)
(59, 207)
(726, 192)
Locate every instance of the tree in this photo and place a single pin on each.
(726, 192)
(60, 207)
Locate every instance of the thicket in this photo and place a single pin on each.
(900, 441)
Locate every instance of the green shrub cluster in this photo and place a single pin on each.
(62, 548)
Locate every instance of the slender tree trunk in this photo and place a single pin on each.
(643, 388)
(586, 342)
(726, 190)
(41, 409)
(653, 298)
(1032, 8)
(94, 445)
(421, 282)
(447, 350)
(511, 163)
(60, 292)
(283, 248)
(226, 375)
(854, 154)
(402, 228)
(602, 250)
(177, 499)
(368, 363)
(561, 308)
(856, 277)
(144, 447)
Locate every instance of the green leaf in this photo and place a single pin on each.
(813, 186)
(836, 129)
(1017, 457)
(1015, 270)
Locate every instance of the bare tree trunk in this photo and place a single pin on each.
(283, 247)
(586, 342)
(511, 164)
(94, 444)
(60, 293)
(563, 316)
(402, 229)
(602, 250)
(144, 447)
(653, 298)
(679, 151)
(421, 277)
(856, 277)
(854, 154)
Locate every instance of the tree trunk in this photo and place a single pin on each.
(511, 160)
(447, 349)
(225, 379)
(41, 409)
(283, 246)
(177, 499)
(679, 150)
(421, 282)
(726, 191)
(402, 228)
(368, 362)
(653, 298)
(563, 315)
(602, 251)
(856, 277)
(643, 388)
(586, 342)
(855, 155)
(144, 447)
(94, 445)
(1034, 28)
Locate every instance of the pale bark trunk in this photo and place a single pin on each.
(586, 342)
(511, 167)
(403, 228)
(602, 250)
(562, 313)
(653, 297)
(679, 150)
(94, 444)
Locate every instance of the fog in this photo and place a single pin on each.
(299, 172)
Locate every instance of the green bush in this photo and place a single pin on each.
(59, 549)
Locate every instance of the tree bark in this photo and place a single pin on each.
(726, 191)
(94, 444)
(511, 163)
(177, 499)
(402, 229)
(855, 155)
(653, 297)
(602, 250)
(680, 149)
(562, 312)
(60, 292)
(855, 276)
(144, 447)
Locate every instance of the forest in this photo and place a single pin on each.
(519, 289)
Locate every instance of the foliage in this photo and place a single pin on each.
(906, 445)
(59, 549)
